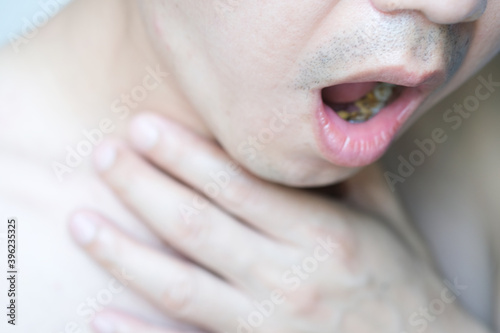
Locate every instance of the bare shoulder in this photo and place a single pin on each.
(15, 82)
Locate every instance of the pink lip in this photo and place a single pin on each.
(354, 145)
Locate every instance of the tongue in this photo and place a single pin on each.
(347, 93)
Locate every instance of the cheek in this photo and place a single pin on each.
(485, 45)
(486, 42)
(277, 152)
(246, 41)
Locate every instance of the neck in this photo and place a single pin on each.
(100, 51)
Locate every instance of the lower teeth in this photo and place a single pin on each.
(369, 105)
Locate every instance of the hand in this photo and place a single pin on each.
(254, 256)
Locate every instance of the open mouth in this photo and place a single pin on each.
(359, 102)
(358, 121)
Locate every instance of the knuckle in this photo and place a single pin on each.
(305, 301)
(335, 253)
(337, 243)
(195, 228)
(270, 276)
(241, 191)
(180, 296)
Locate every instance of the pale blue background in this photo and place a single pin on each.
(12, 13)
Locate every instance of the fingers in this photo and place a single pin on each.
(272, 209)
(183, 291)
(187, 222)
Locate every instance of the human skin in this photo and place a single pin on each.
(119, 179)
(379, 47)
(254, 240)
(76, 94)
(446, 68)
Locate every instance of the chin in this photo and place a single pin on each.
(309, 174)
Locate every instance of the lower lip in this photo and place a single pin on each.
(355, 145)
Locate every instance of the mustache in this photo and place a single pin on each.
(382, 39)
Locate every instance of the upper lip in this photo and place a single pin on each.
(397, 75)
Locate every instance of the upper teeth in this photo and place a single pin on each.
(383, 91)
(370, 104)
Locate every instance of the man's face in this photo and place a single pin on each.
(291, 88)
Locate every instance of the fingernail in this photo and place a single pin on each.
(103, 325)
(83, 228)
(144, 134)
(105, 157)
